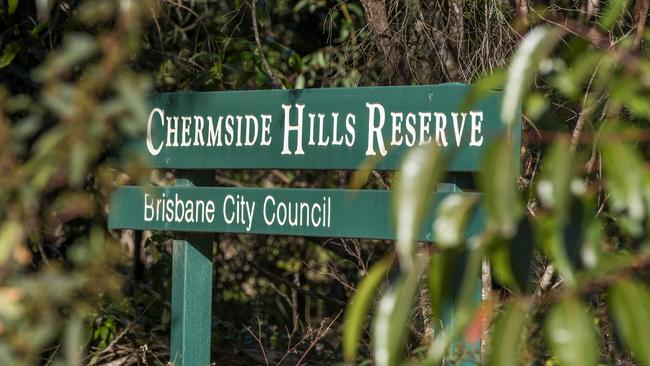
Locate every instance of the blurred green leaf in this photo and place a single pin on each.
(13, 5)
(536, 46)
(393, 315)
(79, 158)
(507, 335)
(629, 302)
(569, 328)
(500, 194)
(614, 11)
(590, 251)
(357, 312)
(454, 279)
(452, 217)
(550, 233)
(73, 340)
(441, 280)
(535, 105)
(420, 172)
(482, 87)
(77, 48)
(9, 52)
(626, 178)
(11, 233)
(554, 189)
(512, 260)
(571, 81)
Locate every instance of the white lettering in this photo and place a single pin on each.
(375, 129)
(477, 120)
(289, 128)
(152, 150)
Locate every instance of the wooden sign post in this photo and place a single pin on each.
(286, 129)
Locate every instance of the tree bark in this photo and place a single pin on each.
(377, 20)
(592, 8)
(521, 8)
(640, 15)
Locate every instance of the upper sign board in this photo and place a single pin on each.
(337, 128)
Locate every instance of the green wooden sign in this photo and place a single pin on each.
(288, 129)
(317, 128)
(300, 212)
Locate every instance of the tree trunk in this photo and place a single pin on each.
(640, 15)
(377, 20)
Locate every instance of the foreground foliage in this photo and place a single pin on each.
(567, 234)
(580, 220)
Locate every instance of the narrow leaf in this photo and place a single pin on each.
(11, 233)
(452, 217)
(458, 289)
(626, 178)
(512, 260)
(502, 203)
(533, 49)
(420, 172)
(554, 189)
(391, 322)
(569, 328)
(630, 303)
(507, 335)
(613, 13)
(9, 52)
(551, 239)
(441, 279)
(483, 87)
(357, 311)
(13, 5)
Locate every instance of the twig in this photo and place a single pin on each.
(269, 73)
(228, 182)
(381, 179)
(318, 336)
(258, 339)
(545, 281)
(298, 288)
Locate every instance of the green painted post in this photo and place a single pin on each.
(191, 290)
(471, 351)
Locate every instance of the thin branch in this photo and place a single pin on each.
(259, 339)
(275, 82)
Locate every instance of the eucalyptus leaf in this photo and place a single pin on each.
(357, 310)
(554, 189)
(569, 328)
(441, 280)
(420, 172)
(629, 302)
(507, 335)
(626, 178)
(452, 217)
(13, 5)
(512, 260)
(11, 233)
(9, 52)
(498, 182)
(550, 234)
(390, 329)
(536, 46)
(613, 13)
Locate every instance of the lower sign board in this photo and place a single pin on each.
(364, 214)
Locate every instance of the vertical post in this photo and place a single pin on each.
(471, 352)
(191, 289)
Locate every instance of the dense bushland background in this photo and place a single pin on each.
(567, 237)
